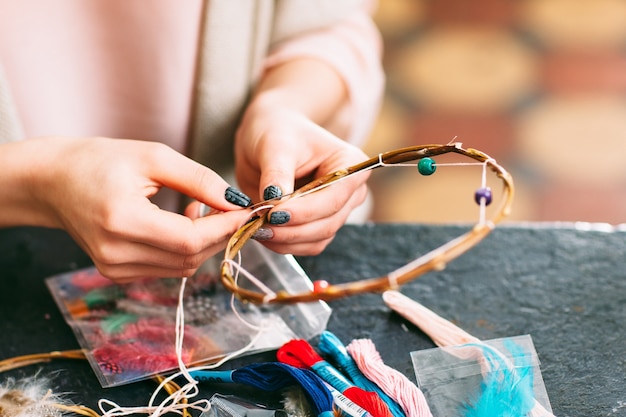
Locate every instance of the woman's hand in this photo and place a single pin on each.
(278, 148)
(98, 190)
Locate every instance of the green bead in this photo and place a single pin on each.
(426, 166)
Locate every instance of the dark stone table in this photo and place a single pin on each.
(563, 285)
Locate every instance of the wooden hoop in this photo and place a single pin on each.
(433, 260)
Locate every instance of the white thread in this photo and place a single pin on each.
(482, 212)
(174, 403)
(263, 207)
(379, 164)
(252, 278)
(458, 164)
(393, 276)
(380, 161)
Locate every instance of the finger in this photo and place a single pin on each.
(180, 173)
(120, 253)
(310, 232)
(176, 233)
(126, 273)
(323, 203)
(196, 209)
(278, 172)
(300, 249)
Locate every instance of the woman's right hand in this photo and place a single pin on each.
(99, 190)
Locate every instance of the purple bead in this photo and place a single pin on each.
(483, 193)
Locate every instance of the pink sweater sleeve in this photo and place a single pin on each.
(353, 47)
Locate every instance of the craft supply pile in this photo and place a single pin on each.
(130, 332)
(182, 333)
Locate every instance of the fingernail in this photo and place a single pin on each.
(233, 195)
(264, 233)
(272, 192)
(203, 210)
(279, 217)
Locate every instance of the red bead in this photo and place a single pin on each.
(320, 286)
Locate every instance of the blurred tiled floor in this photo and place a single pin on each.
(540, 85)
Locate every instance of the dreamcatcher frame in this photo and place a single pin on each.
(436, 259)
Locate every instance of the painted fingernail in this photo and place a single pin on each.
(233, 195)
(264, 233)
(279, 217)
(271, 192)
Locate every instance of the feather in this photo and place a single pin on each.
(29, 397)
(295, 402)
(507, 388)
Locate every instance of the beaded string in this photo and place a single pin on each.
(425, 166)
(483, 197)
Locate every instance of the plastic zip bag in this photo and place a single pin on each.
(128, 330)
(499, 377)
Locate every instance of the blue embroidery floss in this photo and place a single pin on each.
(331, 346)
(299, 353)
(273, 376)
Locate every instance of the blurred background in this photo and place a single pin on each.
(540, 85)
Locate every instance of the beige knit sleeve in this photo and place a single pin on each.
(10, 125)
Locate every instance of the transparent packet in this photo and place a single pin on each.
(235, 406)
(128, 330)
(454, 379)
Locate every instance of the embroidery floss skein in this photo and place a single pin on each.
(331, 346)
(390, 380)
(300, 353)
(444, 333)
(273, 376)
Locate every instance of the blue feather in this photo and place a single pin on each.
(507, 388)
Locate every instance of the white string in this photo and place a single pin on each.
(482, 213)
(393, 276)
(178, 401)
(240, 269)
(173, 402)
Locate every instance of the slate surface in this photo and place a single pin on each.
(563, 286)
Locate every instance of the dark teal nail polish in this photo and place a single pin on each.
(271, 192)
(233, 195)
(279, 217)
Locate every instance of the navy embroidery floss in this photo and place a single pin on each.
(273, 376)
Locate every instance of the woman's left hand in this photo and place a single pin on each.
(278, 148)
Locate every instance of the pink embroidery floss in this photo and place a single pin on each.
(441, 331)
(393, 383)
